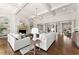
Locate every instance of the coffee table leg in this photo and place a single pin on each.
(39, 47)
(34, 49)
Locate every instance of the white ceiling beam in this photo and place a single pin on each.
(52, 9)
(60, 6)
(49, 7)
(22, 8)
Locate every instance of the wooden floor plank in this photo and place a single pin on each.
(62, 46)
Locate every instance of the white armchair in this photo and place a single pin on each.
(17, 44)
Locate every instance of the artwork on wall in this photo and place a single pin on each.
(40, 27)
(46, 27)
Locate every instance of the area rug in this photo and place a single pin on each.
(26, 49)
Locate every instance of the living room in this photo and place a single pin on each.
(39, 28)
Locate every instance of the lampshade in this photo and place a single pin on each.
(34, 31)
(52, 29)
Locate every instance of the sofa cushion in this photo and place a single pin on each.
(17, 36)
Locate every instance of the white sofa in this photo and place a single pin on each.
(17, 44)
(47, 39)
(75, 38)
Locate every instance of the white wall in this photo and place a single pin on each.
(12, 24)
(77, 18)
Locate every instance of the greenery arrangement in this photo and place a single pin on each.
(2, 28)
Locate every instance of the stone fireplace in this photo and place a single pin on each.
(22, 28)
(23, 31)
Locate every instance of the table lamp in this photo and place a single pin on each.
(34, 31)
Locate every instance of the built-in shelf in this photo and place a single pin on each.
(3, 27)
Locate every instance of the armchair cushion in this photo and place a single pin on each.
(17, 36)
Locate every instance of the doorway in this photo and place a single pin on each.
(67, 29)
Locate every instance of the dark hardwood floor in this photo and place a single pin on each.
(62, 46)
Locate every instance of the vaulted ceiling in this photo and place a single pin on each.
(42, 8)
(11, 8)
(28, 9)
